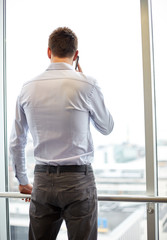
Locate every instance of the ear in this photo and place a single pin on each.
(49, 53)
(75, 56)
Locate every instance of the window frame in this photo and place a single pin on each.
(150, 117)
(4, 217)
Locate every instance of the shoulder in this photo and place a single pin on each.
(88, 79)
(34, 80)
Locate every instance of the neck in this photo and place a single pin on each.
(55, 59)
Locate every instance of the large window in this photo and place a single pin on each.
(110, 49)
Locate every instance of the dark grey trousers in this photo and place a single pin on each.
(70, 196)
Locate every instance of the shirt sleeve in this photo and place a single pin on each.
(18, 141)
(99, 114)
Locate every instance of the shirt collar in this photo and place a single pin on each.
(60, 66)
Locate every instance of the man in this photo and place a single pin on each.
(57, 107)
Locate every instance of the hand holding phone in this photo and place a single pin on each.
(76, 63)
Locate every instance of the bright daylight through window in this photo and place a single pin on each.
(110, 50)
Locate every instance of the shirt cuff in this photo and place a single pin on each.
(23, 180)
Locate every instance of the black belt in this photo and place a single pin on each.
(67, 168)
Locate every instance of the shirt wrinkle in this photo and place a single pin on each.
(56, 79)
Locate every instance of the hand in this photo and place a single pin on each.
(26, 189)
(79, 68)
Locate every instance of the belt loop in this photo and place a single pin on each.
(86, 169)
(58, 171)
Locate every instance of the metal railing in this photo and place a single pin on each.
(113, 198)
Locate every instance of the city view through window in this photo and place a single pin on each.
(110, 50)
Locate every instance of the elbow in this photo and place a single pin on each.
(110, 126)
(109, 129)
(105, 127)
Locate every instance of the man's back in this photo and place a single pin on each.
(58, 106)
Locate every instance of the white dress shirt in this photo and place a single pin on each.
(57, 107)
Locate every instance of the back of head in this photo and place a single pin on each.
(63, 42)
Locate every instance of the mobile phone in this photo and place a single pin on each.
(76, 63)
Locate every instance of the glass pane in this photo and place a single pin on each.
(122, 220)
(160, 51)
(110, 50)
(19, 219)
(162, 221)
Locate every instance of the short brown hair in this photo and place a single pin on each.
(63, 42)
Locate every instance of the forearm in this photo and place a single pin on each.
(100, 115)
(20, 170)
(17, 156)
(18, 141)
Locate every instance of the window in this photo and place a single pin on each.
(110, 50)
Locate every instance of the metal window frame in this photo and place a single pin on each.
(150, 117)
(150, 126)
(4, 215)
